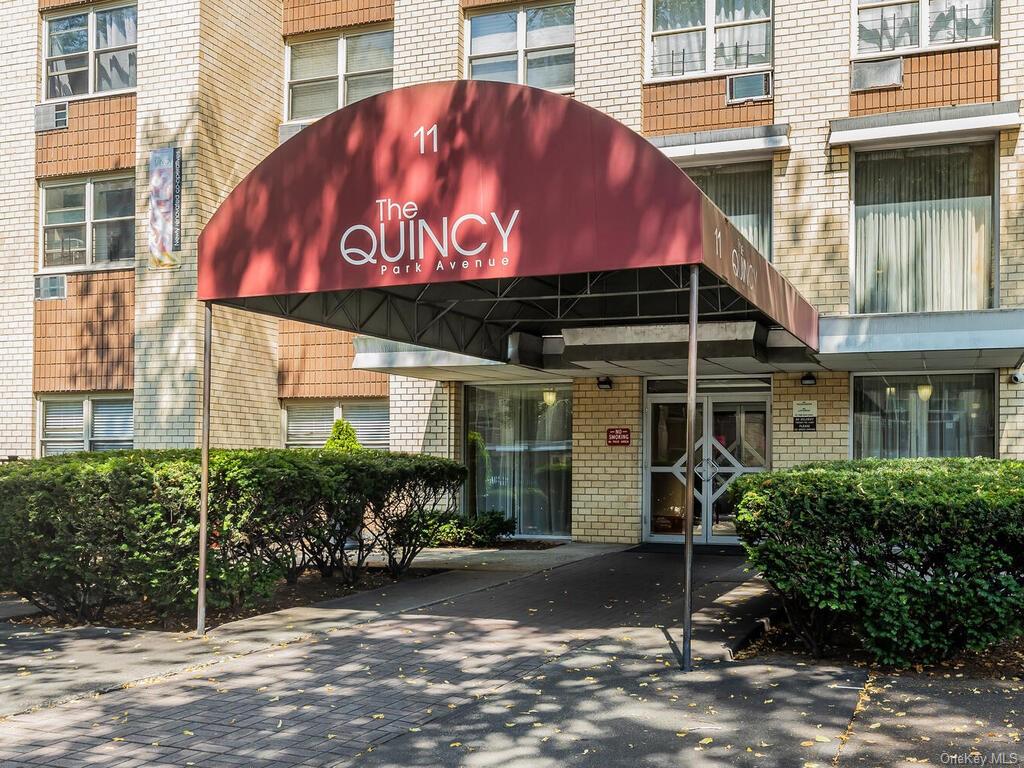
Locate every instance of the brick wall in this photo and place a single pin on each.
(609, 57)
(937, 79)
(811, 181)
(422, 57)
(19, 51)
(698, 105)
(100, 137)
(85, 342)
(606, 481)
(1010, 442)
(426, 416)
(831, 440)
(314, 15)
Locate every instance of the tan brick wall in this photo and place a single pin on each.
(317, 362)
(607, 487)
(1011, 222)
(426, 416)
(1010, 442)
(831, 440)
(314, 15)
(698, 105)
(937, 79)
(422, 56)
(811, 181)
(85, 342)
(609, 57)
(100, 137)
(19, 52)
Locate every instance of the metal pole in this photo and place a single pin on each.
(204, 479)
(691, 451)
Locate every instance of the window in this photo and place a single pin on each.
(86, 424)
(925, 415)
(91, 221)
(316, 83)
(535, 45)
(519, 454)
(90, 52)
(885, 25)
(693, 37)
(308, 423)
(923, 229)
(744, 193)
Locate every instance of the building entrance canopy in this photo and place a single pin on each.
(478, 218)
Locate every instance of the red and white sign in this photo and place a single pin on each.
(620, 436)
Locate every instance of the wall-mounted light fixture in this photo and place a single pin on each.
(808, 379)
(604, 382)
(550, 397)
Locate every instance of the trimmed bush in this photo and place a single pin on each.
(81, 532)
(485, 530)
(343, 437)
(921, 559)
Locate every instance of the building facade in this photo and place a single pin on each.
(868, 149)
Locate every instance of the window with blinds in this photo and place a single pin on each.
(371, 421)
(86, 424)
(63, 427)
(309, 424)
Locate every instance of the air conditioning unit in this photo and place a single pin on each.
(52, 116)
(880, 73)
(753, 87)
(51, 287)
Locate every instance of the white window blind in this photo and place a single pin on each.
(371, 422)
(63, 427)
(113, 425)
(308, 424)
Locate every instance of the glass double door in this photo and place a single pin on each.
(732, 439)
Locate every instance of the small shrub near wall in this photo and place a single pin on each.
(81, 532)
(921, 559)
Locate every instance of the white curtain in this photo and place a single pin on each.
(744, 193)
(923, 229)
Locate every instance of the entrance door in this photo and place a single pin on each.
(732, 433)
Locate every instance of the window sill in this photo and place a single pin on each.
(113, 266)
(704, 75)
(90, 96)
(918, 50)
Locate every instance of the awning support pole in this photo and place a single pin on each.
(691, 455)
(204, 477)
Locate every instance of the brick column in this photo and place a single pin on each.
(428, 41)
(832, 438)
(607, 481)
(609, 57)
(426, 416)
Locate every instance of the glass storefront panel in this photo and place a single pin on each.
(519, 454)
(925, 415)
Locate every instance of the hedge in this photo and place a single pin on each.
(919, 559)
(84, 531)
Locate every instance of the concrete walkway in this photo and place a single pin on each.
(325, 699)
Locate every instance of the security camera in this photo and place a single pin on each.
(1017, 377)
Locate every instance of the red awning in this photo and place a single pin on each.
(475, 183)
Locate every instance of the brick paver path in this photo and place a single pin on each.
(320, 702)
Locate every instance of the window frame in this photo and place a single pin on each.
(923, 45)
(943, 372)
(852, 212)
(91, 50)
(341, 76)
(709, 27)
(521, 51)
(90, 223)
(338, 404)
(87, 401)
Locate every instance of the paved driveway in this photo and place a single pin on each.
(570, 666)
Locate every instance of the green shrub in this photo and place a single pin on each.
(343, 438)
(484, 530)
(83, 531)
(919, 558)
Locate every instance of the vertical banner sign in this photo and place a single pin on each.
(164, 208)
